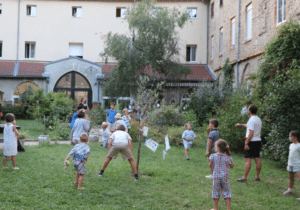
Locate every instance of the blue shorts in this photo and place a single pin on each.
(293, 168)
(105, 143)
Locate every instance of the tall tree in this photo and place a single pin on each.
(153, 50)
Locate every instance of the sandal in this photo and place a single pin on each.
(257, 179)
(241, 180)
(288, 192)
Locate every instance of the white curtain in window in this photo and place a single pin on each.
(32, 50)
(76, 50)
(192, 13)
(123, 12)
(78, 12)
(221, 41)
(249, 22)
(193, 53)
(233, 31)
(33, 10)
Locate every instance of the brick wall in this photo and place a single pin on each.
(264, 27)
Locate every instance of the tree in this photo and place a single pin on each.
(152, 51)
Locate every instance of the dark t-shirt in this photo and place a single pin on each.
(214, 135)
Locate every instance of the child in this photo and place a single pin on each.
(294, 161)
(81, 125)
(10, 140)
(188, 136)
(220, 162)
(212, 138)
(81, 152)
(105, 134)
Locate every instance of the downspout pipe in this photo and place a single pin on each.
(238, 46)
(16, 69)
(207, 29)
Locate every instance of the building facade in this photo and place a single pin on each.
(240, 29)
(48, 41)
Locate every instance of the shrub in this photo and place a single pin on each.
(191, 117)
(97, 116)
(54, 106)
(18, 111)
(166, 115)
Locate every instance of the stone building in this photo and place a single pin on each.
(55, 45)
(240, 29)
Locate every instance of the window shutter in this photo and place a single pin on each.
(188, 53)
(283, 10)
(32, 50)
(76, 50)
(232, 31)
(33, 10)
(118, 12)
(79, 12)
(0, 9)
(194, 52)
(123, 12)
(26, 50)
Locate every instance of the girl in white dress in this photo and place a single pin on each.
(10, 148)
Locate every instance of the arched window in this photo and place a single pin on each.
(24, 87)
(75, 85)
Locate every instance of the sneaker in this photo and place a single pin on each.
(187, 158)
(16, 168)
(210, 176)
(288, 192)
(101, 173)
(136, 177)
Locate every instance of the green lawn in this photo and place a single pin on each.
(174, 183)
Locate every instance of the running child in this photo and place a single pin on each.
(293, 161)
(105, 134)
(188, 136)
(213, 136)
(80, 154)
(10, 148)
(220, 162)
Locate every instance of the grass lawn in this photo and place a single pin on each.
(174, 183)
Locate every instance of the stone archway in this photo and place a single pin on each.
(76, 86)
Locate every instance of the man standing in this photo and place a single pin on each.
(252, 143)
(120, 141)
(110, 116)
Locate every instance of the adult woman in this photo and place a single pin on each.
(84, 104)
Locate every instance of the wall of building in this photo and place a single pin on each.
(54, 27)
(264, 27)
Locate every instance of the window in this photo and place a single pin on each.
(281, 4)
(0, 49)
(221, 2)
(212, 47)
(24, 87)
(29, 50)
(76, 50)
(192, 12)
(249, 22)
(232, 32)
(121, 12)
(77, 11)
(155, 12)
(212, 9)
(221, 41)
(191, 52)
(0, 9)
(31, 10)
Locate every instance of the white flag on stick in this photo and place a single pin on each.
(151, 144)
(167, 143)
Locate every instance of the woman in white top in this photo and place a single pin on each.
(10, 148)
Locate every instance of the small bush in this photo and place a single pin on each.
(166, 115)
(191, 117)
(97, 116)
(18, 111)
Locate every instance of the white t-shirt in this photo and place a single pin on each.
(254, 124)
(120, 137)
(294, 155)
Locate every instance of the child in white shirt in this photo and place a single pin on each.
(188, 136)
(105, 134)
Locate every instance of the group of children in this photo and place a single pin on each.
(217, 151)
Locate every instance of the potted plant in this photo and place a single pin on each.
(43, 138)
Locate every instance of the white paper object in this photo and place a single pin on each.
(151, 144)
(167, 143)
(145, 131)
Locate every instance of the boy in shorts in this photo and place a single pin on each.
(80, 154)
(188, 136)
(120, 142)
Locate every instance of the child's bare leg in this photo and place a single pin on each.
(298, 175)
(13, 159)
(216, 203)
(227, 201)
(4, 161)
(186, 152)
(76, 178)
(291, 179)
(80, 180)
(133, 166)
